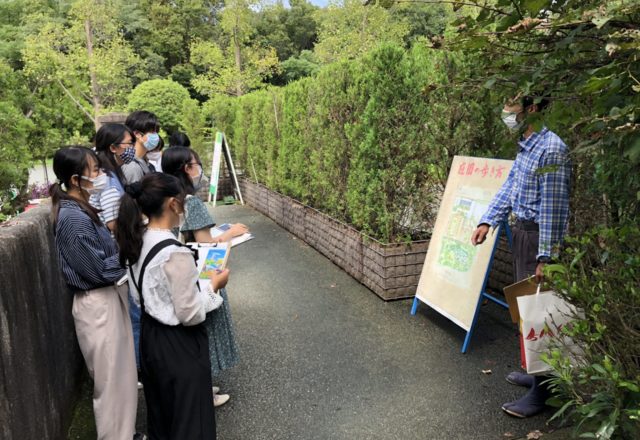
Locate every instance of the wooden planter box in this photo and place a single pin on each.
(275, 209)
(294, 214)
(391, 271)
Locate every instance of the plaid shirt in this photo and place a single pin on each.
(537, 189)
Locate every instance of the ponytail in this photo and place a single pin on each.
(130, 227)
(57, 194)
(144, 198)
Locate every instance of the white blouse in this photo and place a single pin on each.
(171, 294)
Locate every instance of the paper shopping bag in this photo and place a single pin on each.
(541, 317)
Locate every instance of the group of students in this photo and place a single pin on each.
(139, 312)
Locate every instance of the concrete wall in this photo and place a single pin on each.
(40, 363)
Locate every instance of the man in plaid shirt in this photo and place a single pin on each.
(537, 193)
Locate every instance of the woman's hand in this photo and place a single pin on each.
(219, 279)
(237, 230)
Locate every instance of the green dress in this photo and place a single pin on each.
(223, 350)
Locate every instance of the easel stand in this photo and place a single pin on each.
(221, 146)
(483, 294)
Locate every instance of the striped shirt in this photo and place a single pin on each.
(87, 253)
(537, 189)
(108, 201)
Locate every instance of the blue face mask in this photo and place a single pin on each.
(153, 139)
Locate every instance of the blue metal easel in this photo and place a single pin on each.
(483, 294)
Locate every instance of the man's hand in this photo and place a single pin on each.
(480, 234)
(540, 272)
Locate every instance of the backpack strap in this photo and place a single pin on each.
(152, 253)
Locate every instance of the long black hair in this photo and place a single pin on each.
(69, 162)
(108, 135)
(174, 160)
(144, 197)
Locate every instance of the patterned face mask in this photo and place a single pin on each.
(128, 155)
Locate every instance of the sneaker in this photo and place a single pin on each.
(215, 390)
(140, 436)
(220, 399)
(140, 385)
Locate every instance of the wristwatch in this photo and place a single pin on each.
(544, 260)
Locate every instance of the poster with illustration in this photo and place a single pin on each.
(213, 258)
(454, 269)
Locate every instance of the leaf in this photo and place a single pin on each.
(506, 22)
(490, 83)
(534, 6)
(633, 151)
(600, 21)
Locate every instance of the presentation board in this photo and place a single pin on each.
(215, 167)
(454, 270)
(220, 147)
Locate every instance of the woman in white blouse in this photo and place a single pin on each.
(174, 355)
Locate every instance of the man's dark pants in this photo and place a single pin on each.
(525, 249)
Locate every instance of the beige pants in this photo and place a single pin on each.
(104, 333)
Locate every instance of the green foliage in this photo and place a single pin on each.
(15, 156)
(194, 124)
(298, 67)
(600, 274)
(350, 28)
(163, 97)
(334, 141)
(584, 54)
(166, 28)
(236, 64)
(288, 30)
(424, 19)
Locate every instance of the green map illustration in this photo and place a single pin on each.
(457, 252)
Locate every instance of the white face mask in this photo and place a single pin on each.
(154, 156)
(99, 183)
(510, 119)
(196, 180)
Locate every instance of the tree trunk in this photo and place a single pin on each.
(46, 171)
(95, 97)
(236, 48)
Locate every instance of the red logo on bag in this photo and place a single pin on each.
(546, 331)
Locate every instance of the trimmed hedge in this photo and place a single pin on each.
(370, 141)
